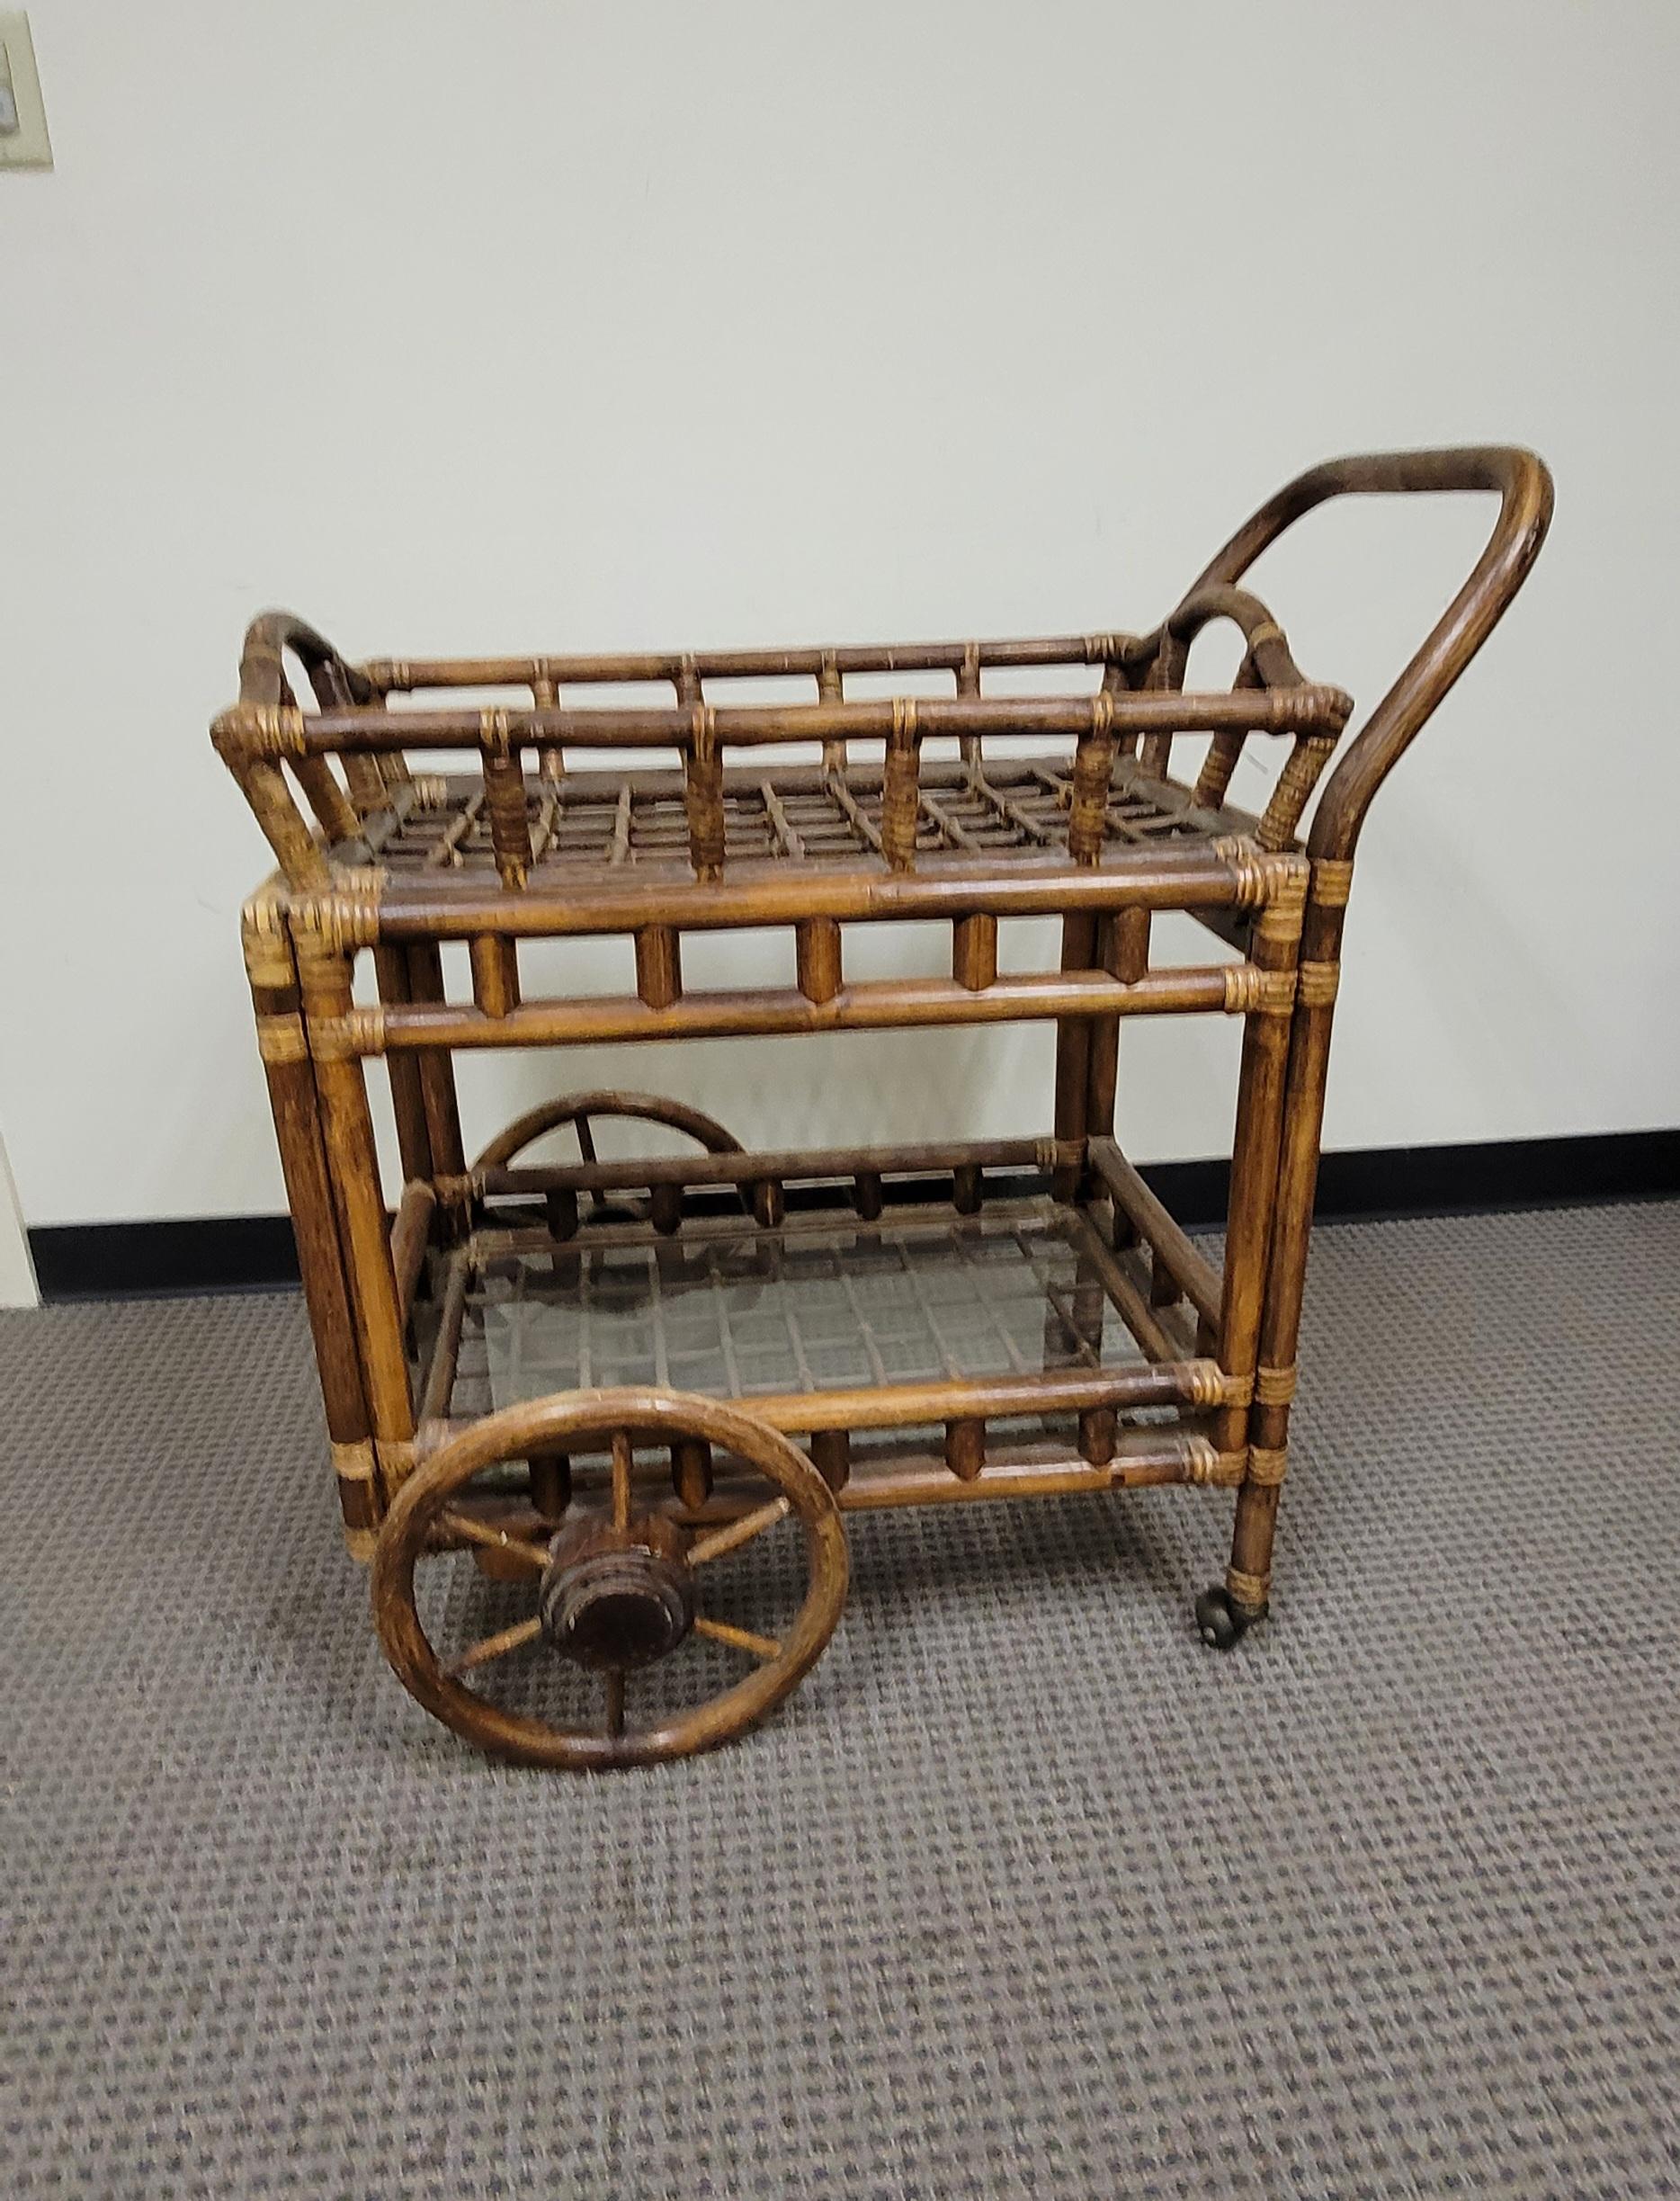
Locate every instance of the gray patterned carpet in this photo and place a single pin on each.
(1025, 1892)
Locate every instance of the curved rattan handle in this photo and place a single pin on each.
(1524, 487)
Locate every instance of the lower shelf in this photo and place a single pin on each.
(896, 1335)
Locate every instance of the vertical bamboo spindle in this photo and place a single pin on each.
(831, 689)
(551, 756)
(550, 1483)
(969, 690)
(658, 965)
(974, 951)
(1224, 749)
(1122, 949)
(900, 789)
(965, 1449)
(1168, 672)
(691, 1471)
(817, 957)
(413, 1141)
(437, 1069)
(504, 798)
(1093, 760)
(494, 973)
(1073, 1060)
(703, 787)
(831, 1456)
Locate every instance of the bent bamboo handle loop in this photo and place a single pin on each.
(1525, 489)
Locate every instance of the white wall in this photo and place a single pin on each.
(525, 325)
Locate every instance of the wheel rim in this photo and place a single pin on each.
(568, 1421)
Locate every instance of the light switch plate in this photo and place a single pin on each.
(27, 146)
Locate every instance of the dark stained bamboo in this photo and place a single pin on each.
(878, 1006)
(414, 1139)
(1096, 832)
(1191, 1270)
(817, 948)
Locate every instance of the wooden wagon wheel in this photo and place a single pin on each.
(581, 1111)
(616, 1589)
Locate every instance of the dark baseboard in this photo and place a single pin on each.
(232, 1253)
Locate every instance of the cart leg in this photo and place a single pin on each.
(413, 1138)
(274, 997)
(1073, 1063)
(435, 1075)
(352, 1168)
(1223, 1613)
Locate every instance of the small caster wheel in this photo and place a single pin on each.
(1219, 1623)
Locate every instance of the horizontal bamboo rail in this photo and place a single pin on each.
(877, 1006)
(815, 661)
(1190, 1269)
(275, 731)
(1194, 876)
(794, 1163)
(1195, 1385)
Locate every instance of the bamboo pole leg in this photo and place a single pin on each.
(1073, 1063)
(353, 1168)
(436, 1077)
(1223, 1613)
(414, 1139)
(308, 1192)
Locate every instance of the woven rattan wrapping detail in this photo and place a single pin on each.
(338, 1039)
(343, 919)
(1316, 984)
(281, 1039)
(1281, 917)
(1332, 881)
(1202, 1461)
(354, 1462)
(1059, 1154)
(1295, 784)
(1249, 863)
(1274, 1386)
(1247, 987)
(1236, 1389)
(1208, 1383)
(1267, 1464)
(268, 729)
(1249, 1590)
(267, 950)
(431, 791)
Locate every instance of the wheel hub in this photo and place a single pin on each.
(617, 1598)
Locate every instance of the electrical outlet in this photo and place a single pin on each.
(23, 142)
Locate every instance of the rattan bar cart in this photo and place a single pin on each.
(643, 1392)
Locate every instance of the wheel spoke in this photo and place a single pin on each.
(615, 1700)
(623, 1463)
(733, 1534)
(456, 1524)
(493, 1647)
(763, 1647)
